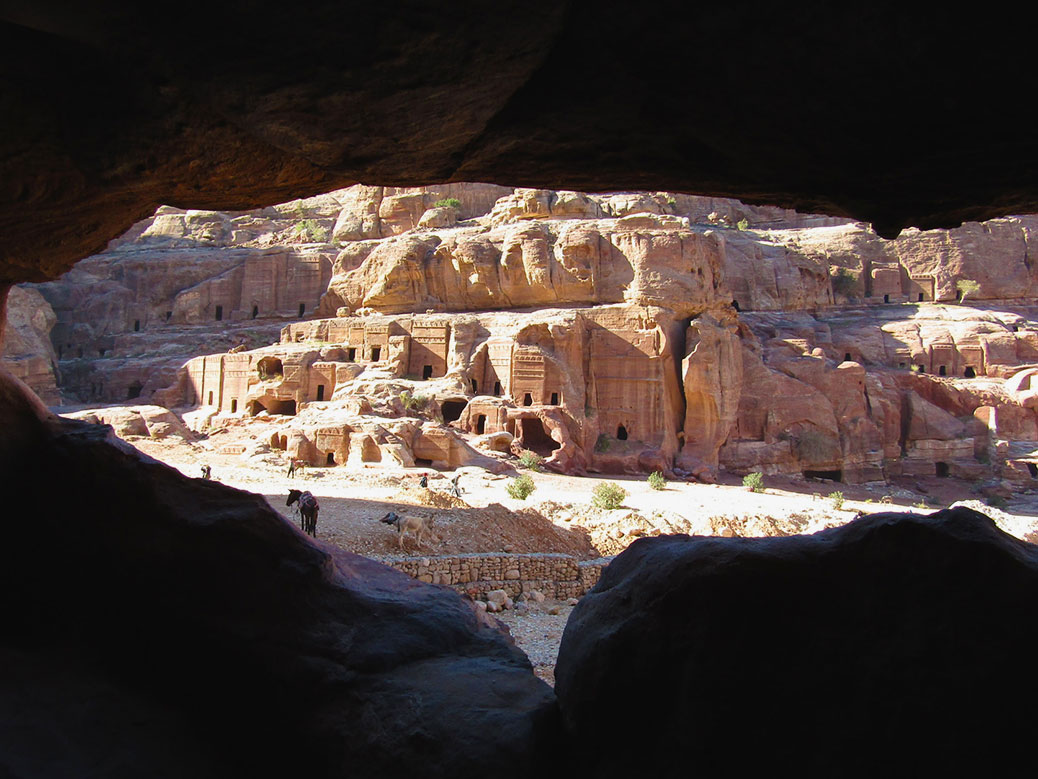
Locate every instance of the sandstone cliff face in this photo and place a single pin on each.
(26, 348)
(638, 331)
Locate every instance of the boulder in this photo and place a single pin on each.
(895, 640)
(172, 626)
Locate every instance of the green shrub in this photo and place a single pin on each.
(309, 230)
(530, 460)
(837, 499)
(967, 287)
(755, 481)
(656, 481)
(448, 202)
(845, 282)
(413, 402)
(608, 495)
(743, 224)
(520, 487)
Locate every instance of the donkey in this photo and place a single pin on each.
(417, 525)
(308, 509)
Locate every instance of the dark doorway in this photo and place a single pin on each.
(942, 371)
(958, 294)
(210, 397)
(219, 313)
(621, 433)
(376, 352)
(351, 354)
(969, 373)
(554, 398)
(423, 462)
(134, 390)
(255, 311)
(829, 475)
(941, 469)
(234, 405)
(735, 305)
(847, 357)
(426, 372)
(886, 298)
(136, 325)
(285, 408)
(527, 399)
(481, 424)
(452, 409)
(302, 309)
(320, 392)
(497, 388)
(331, 458)
(535, 437)
(921, 297)
(921, 368)
(169, 315)
(1033, 470)
(475, 387)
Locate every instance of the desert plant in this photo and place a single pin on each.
(602, 443)
(309, 230)
(656, 481)
(921, 505)
(844, 282)
(754, 481)
(448, 202)
(967, 287)
(413, 402)
(837, 499)
(530, 460)
(520, 487)
(743, 224)
(608, 495)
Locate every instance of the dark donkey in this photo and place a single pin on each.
(308, 509)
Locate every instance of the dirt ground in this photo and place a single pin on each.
(558, 516)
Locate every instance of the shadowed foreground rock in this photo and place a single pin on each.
(165, 626)
(896, 644)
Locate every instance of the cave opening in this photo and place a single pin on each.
(234, 405)
(497, 388)
(735, 305)
(426, 372)
(320, 392)
(423, 462)
(136, 325)
(527, 399)
(134, 390)
(1033, 470)
(331, 459)
(481, 424)
(835, 475)
(302, 309)
(475, 387)
(255, 311)
(621, 433)
(886, 298)
(219, 313)
(942, 470)
(554, 398)
(351, 354)
(269, 368)
(452, 410)
(376, 353)
(535, 437)
(969, 373)
(285, 408)
(942, 370)
(847, 357)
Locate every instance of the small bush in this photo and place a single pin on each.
(743, 224)
(608, 495)
(309, 230)
(520, 487)
(656, 481)
(602, 444)
(530, 460)
(754, 481)
(967, 287)
(845, 282)
(448, 202)
(837, 499)
(413, 402)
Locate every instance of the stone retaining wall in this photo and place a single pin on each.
(555, 575)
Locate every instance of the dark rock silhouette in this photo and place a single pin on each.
(896, 644)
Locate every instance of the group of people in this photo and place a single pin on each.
(454, 489)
